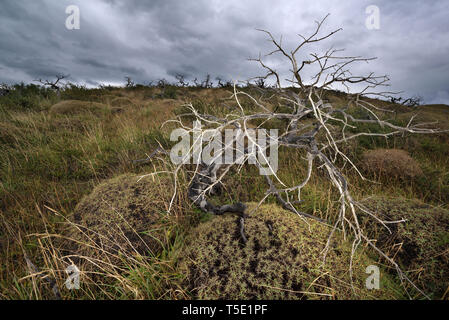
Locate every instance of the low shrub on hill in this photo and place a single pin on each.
(390, 163)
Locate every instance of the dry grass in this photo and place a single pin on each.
(435, 114)
(124, 244)
(390, 163)
(122, 102)
(50, 161)
(68, 107)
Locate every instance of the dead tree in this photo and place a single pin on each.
(181, 80)
(207, 83)
(129, 82)
(4, 89)
(413, 101)
(56, 84)
(162, 83)
(221, 84)
(410, 102)
(320, 142)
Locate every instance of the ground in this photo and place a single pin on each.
(51, 160)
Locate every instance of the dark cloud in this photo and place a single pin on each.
(149, 40)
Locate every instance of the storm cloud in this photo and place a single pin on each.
(150, 40)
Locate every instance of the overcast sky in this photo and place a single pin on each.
(155, 39)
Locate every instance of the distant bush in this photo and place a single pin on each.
(79, 92)
(390, 163)
(168, 92)
(25, 97)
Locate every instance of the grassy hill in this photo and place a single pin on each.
(55, 149)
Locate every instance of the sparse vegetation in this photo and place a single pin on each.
(51, 161)
(83, 181)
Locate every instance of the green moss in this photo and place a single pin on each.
(282, 259)
(124, 215)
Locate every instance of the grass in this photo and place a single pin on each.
(50, 161)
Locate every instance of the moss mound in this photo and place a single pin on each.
(420, 245)
(69, 107)
(124, 215)
(121, 102)
(281, 260)
(390, 163)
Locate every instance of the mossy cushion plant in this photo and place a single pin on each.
(420, 245)
(124, 216)
(390, 163)
(282, 259)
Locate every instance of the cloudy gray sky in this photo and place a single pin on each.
(155, 39)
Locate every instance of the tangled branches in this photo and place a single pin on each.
(311, 125)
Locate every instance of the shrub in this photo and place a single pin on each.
(168, 92)
(123, 215)
(25, 97)
(434, 184)
(420, 245)
(281, 260)
(78, 92)
(390, 163)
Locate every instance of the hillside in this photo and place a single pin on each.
(60, 150)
